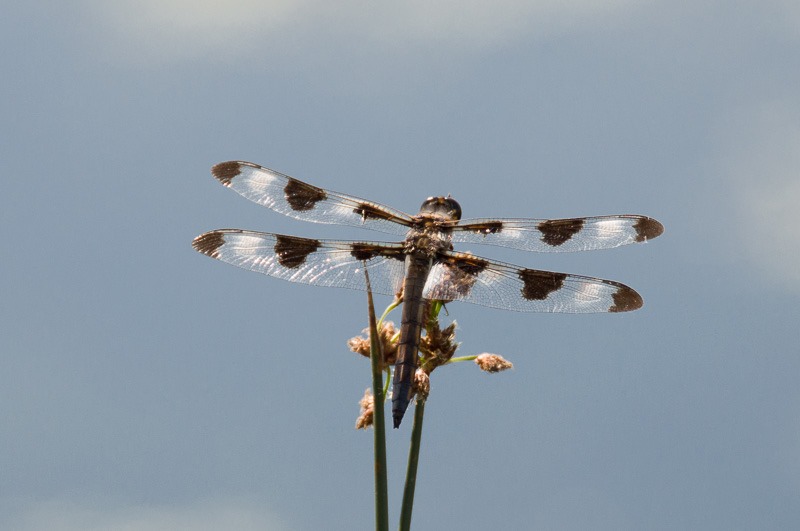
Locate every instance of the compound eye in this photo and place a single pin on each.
(445, 207)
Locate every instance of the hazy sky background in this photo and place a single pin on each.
(144, 386)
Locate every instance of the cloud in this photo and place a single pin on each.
(165, 31)
(763, 161)
(61, 515)
(170, 30)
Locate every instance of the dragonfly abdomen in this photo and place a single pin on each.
(417, 269)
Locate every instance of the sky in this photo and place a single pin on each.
(146, 387)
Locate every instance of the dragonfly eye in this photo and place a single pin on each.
(445, 207)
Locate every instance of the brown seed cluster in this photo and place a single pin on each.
(361, 345)
(492, 362)
(367, 404)
(438, 345)
(436, 348)
(422, 384)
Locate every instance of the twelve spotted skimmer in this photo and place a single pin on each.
(424, 265)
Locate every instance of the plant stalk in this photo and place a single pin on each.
(378, 419)
(411, 471)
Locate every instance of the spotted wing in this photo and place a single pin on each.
(330, 263)
(554, 235)
(306, 202)
(469, 278)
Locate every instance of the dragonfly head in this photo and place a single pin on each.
(443, 207)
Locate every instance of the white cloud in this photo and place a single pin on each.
(60, 515)
(164, 31)
(763, 160)
(169, 30)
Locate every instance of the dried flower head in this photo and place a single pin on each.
(361, 345)
(438, 345)
(492, 362)
(422, 384)
(367, 404)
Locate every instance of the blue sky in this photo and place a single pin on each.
(145, 386)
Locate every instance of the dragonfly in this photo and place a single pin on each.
(424, 266)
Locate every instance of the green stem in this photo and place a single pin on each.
(388, 310)
(462, 358)
(378, 421)
(388, 381)
(411, 471)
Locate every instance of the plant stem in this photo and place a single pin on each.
(462, 358)
(411, 471)
(378, 422)
(389, 309)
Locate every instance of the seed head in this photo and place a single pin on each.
(367, 404)
(361, 344)
(493, 362)
(422, 384)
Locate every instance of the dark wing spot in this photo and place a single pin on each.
(469, 265)
(488, 227)
(555, 232)
(302, 196)
(226, 171)
(368, 251)
(208, 243)
(626, 300)
(293, 251)
(537, 285)
(368, 211)
(364, 251)
(460, 274)
(647, 229)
